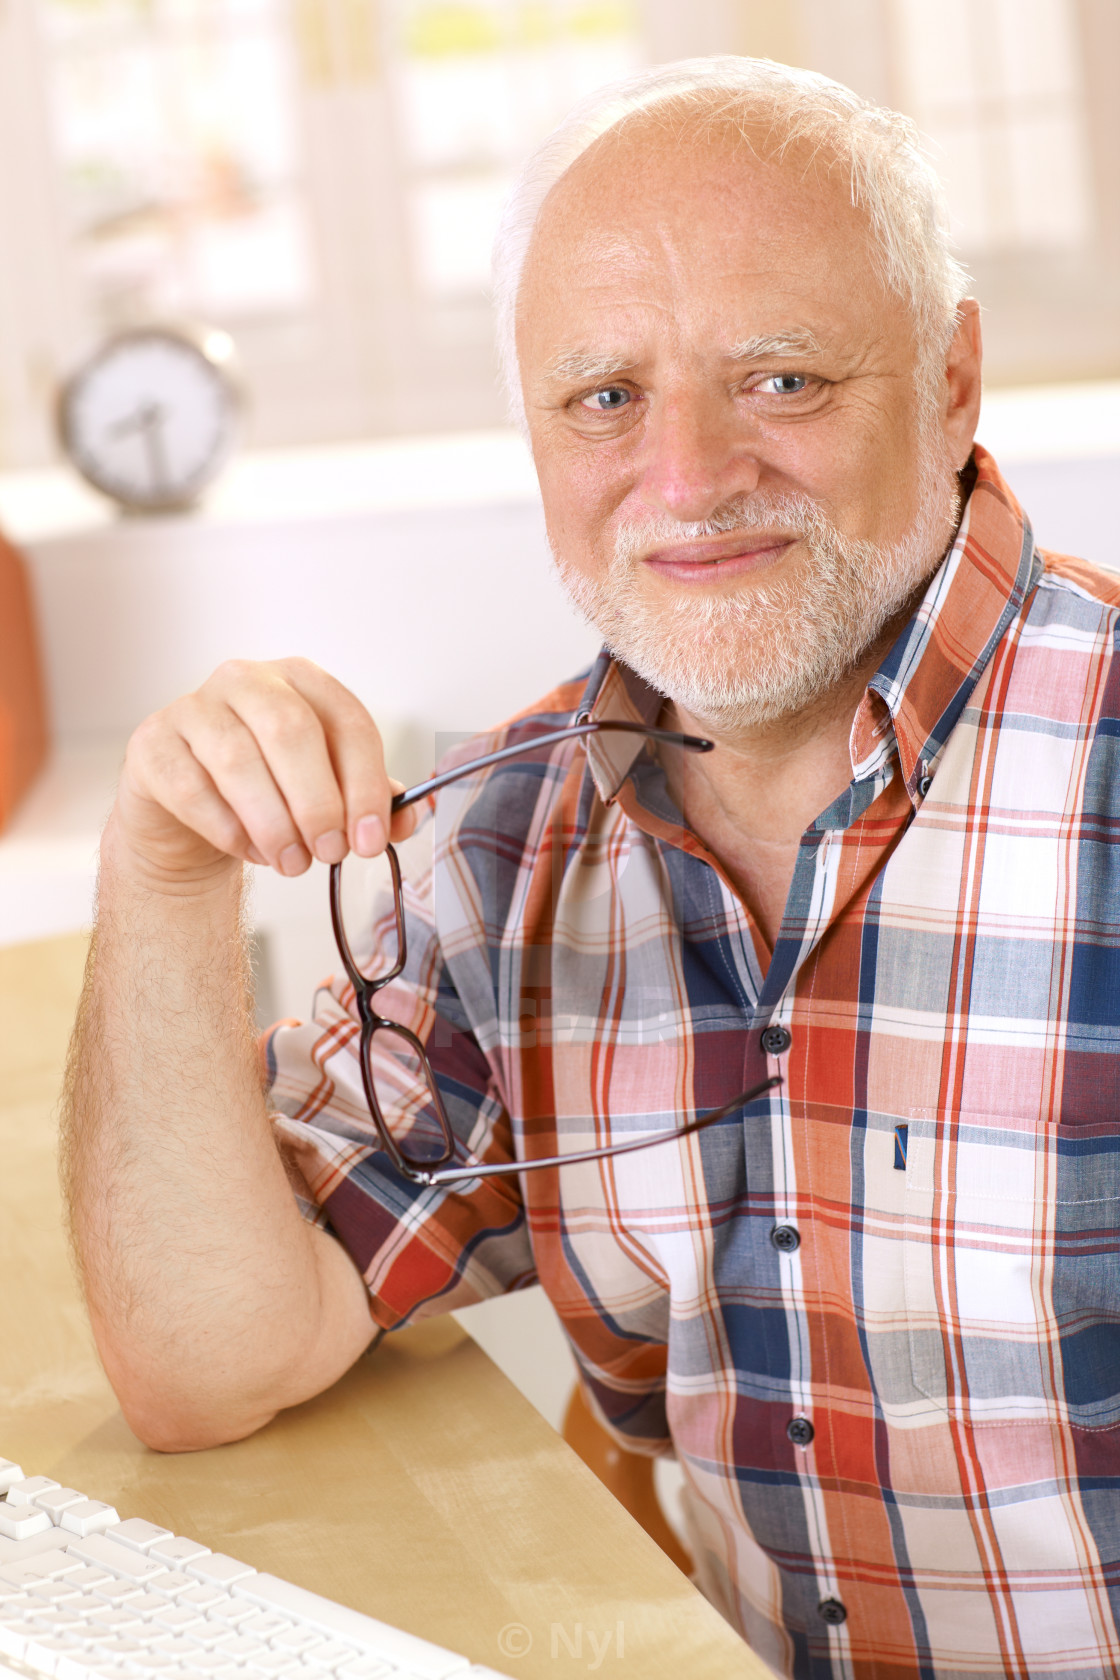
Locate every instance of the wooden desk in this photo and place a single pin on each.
(422, 1489)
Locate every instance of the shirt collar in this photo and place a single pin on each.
(929, 674)
(923, 684)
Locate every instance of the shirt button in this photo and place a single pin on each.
(786, 1238)
(775, 1041)
(832, 1611)
(800, 1431)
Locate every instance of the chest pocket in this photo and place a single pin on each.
(1012, 1271)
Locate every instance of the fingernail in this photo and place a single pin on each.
(369, 837)
(331, 847)
(293, 859)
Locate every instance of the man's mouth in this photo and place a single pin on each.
(711, 558)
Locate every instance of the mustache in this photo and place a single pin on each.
(755, 514)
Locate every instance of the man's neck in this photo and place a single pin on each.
(751, 800)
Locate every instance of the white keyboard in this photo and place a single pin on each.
(85, 1596)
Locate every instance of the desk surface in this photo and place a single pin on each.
(422, 1489)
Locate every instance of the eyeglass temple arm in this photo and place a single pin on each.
(691, 743)
(492, 1169)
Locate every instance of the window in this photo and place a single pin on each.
(323, 177)
(996, 85)
(178, 158)
(477, 86)
(1018, 99)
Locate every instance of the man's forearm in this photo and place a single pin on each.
(212, 1302)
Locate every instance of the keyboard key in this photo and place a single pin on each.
(16, 1551)
(56, 1592)
(178, 1551)
(88, 1516)
(148, 1604)
(181, 1649)
(217, 1567)
(20, 1522)
(55, 1621)
(276, 1664)
(140, 1534)
(176, 1616)
(112, 1619)
(44, 1653)
(296, 1639)
(363, 1668)
(233, 1611)
(332, 1653)
(173, 1583)
(87, 1577)
(44, 1566)
(85, 1605)
(262, 1624)
(22, 1493)
(119, 1560)
(241, 1648)
(416, 1656)
(112, 1591)
(209, 1635)
(13, 1639)
(9, 1474)
(85, 1665)
(206, 1598)
(55, 1501)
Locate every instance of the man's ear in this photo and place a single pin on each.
(960, 407)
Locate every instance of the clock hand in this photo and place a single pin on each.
(148, 421)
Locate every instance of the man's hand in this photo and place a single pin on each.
(270, 763)
(212, 1302)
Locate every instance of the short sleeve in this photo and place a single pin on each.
(421, 1249)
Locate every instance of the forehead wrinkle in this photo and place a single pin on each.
(568, 365)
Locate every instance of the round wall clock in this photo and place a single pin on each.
(150, 419)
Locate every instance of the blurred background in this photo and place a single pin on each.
(321, 179)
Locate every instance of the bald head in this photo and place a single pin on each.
(876, 154)
(681, 216)
(746, 464)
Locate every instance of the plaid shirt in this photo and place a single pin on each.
(877, 1318)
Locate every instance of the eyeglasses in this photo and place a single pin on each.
(394, 1063)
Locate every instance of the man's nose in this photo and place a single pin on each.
(696, 457)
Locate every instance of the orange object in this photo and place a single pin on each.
(628, 1476)
(23, 713)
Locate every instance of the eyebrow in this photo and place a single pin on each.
(580, 365)
(798, 342)
(570, 366)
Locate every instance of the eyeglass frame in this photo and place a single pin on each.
(438, 1172)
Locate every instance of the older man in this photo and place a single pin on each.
(874, 1309)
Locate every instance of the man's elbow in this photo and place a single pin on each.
(168, 1424)
(177, 1411)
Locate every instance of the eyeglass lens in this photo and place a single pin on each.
(369, 921)
(407, 1098)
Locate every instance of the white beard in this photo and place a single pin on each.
(767, 651)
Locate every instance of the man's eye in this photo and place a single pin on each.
(783, 384)
(610, 397)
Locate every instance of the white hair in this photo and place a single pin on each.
(889, 177)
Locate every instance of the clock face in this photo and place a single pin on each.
(151, 418)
